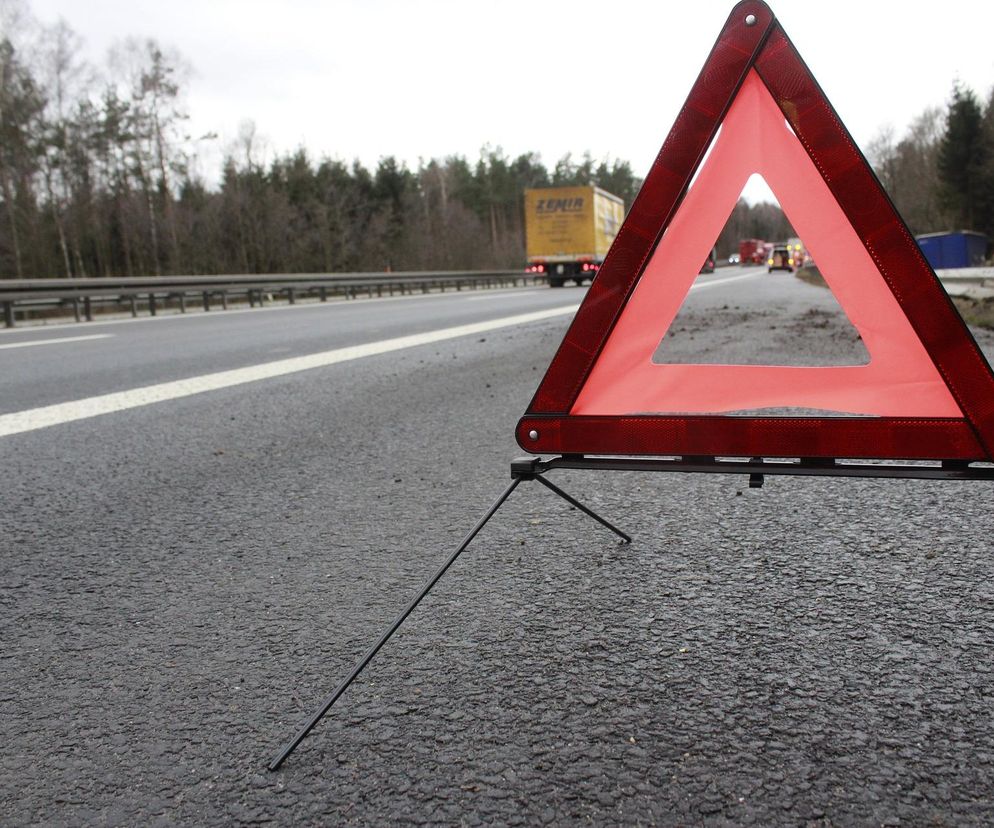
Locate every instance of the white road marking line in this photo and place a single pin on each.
(51, 415)
(54, 341)
(725, 280)
(503, 295)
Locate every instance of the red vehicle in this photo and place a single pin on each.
(752, 252)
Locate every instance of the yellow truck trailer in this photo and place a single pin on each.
(568, 231)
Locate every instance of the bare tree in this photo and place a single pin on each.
(152, 78)
(66, 78)
(909, 172)
(20, 105)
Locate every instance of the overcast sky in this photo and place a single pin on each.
(368, 78)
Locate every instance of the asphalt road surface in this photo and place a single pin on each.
(196, 547)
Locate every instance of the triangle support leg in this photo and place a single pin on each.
(361, 664)
(574, 502)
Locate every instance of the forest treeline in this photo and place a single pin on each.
(940, 174)
(98, 177)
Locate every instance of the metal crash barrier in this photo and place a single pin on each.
(24, 298)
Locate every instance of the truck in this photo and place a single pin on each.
(568, 231)
(798, 252)
(752, 251)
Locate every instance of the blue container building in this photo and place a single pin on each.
(962, 248)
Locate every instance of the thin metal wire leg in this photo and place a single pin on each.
(361, 664)
(583, 508)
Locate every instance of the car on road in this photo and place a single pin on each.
(708, 266)
(735, 258)
(780, 259)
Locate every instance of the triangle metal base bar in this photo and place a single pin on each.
(517, 477)
(758, 467)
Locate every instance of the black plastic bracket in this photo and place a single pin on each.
(525, 468)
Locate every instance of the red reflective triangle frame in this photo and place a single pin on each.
(548, 425)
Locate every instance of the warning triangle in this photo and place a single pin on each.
(900, 379)
(927, 391)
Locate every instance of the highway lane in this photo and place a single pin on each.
(182, 583)
(135, 353)
(39, 371)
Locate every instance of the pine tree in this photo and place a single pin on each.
(986, 182)
(961, 158)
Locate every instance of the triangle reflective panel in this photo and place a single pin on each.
(927, 392)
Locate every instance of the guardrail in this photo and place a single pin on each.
(24, 297)
(972, 282)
